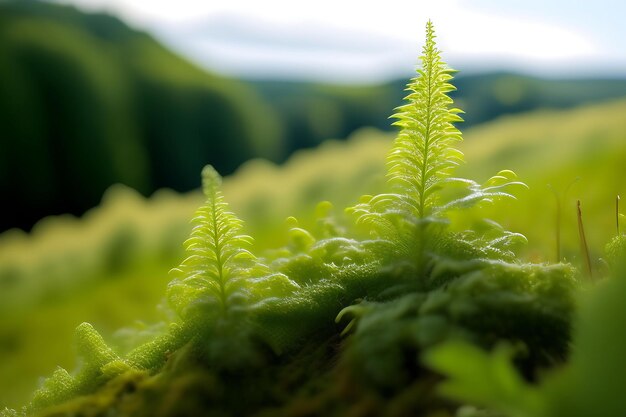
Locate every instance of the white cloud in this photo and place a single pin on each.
(465, 34)
(485, 35)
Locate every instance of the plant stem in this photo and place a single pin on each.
(584, 249)
(557, 223)
(617, 213)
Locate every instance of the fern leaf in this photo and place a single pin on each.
(422, 158)
(218, 264)
(414, 215)
(423, 153)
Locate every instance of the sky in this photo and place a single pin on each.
(370, 41)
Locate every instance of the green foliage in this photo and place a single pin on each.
(419, 268)
(423, 154)
(113, 99)
(412, 219)
(221, 277)
(215, 272)
(591, 383)
(486, 380)
(217, 283)
(487, 302)
(57, 271)
(100, 363)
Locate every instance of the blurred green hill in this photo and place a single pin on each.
(311, 113)
(86, 102)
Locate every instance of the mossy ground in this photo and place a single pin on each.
(312, 382)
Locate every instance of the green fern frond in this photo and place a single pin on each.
(411, 222)
(218, 265)
(423, 157)
(423, 153)
(495, 188)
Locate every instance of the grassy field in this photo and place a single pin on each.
(110, 267)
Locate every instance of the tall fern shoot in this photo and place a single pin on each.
(215, 273)
(410, 220)
(423, 154)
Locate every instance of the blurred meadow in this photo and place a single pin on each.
(104, 132)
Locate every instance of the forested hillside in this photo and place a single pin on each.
(86, 101)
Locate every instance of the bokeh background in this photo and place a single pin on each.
(109, 109)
